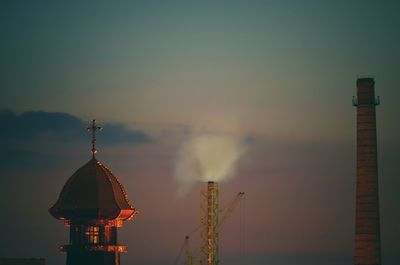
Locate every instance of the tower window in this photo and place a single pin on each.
(92, 234)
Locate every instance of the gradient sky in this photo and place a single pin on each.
(280, 73)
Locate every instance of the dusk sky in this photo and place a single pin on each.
(277, 75)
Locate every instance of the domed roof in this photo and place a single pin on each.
(93, 192)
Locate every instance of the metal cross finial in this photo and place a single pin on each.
(94, 128)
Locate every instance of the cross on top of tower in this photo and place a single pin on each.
(94, 128)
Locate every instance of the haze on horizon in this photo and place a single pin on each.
(281, 74)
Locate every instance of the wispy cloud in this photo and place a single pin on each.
(32, 137)
(31, 125)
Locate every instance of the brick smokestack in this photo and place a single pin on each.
(367, 230)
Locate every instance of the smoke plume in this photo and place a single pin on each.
(207, 157)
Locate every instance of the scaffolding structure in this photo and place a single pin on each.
(209, 221)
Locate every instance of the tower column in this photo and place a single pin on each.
(209, 220)
(367, 225)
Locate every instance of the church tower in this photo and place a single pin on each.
(93, 204)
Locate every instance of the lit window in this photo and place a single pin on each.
(92, 234)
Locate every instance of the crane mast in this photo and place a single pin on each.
(210, 226)
(209, 221)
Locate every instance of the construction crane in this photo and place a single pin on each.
(231, 207)
(188, 255)
(226, 213)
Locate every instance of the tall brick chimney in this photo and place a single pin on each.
(367, 227)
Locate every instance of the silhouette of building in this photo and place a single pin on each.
(367, 227)
(93, 204)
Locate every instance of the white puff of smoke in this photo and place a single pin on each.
(207, 157)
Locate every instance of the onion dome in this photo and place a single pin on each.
(93, 192)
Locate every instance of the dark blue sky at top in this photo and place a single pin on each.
(117, 59)
(280, 72)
